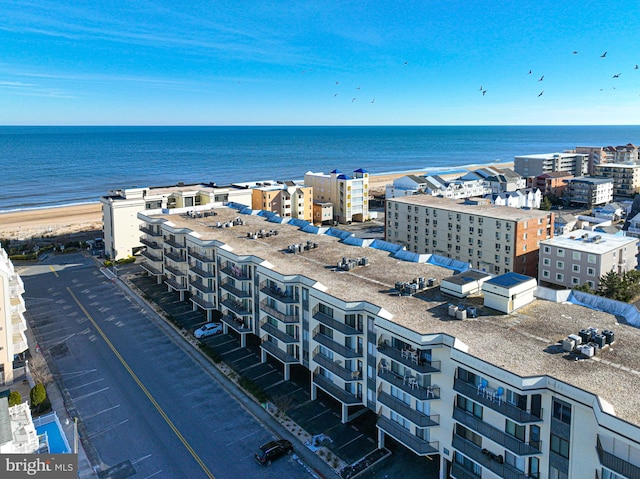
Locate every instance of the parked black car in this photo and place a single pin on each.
(273, 450)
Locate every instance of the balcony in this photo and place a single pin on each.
(458, 472)
(175, 285)
(285, 318)
(150, 244)
(202, 273)
(151, 257)
(174, 271)
(200, 286)
(504, 408)
(418, 392)
(236, 306)
(474, 452)
(338, 393)
(238, 293)
(616, 464)
(278, 333)
(498, 436)
(235, 323)
(416, 417)
(277, 294)
(278, 353)
(335, 324)
(169, 242)
(203, 303)
(175, 256)
(149, 268)
(334, 367)
(404, 436)
(336, 347)
(420, 366)
(201, 257)
(151, 231)
(236, 273)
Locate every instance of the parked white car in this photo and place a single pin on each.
(208, 329)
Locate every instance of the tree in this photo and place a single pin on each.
(14, 398)
(585, 288)
(545, 205)
(38, 395)
(39, 370)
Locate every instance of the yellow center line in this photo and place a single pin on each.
(54, 271)
(144, 389)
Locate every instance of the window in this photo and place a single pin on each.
(577, 255)
(575, 280)
(545, 273)
(560, 252)
(515, 430)
(561, 411)
(560, 264)
(468, 435)
(591, 271)
(559, 446)
(469, 406)
(575, 268)
(559, 277)
(546, 262)
(591, 258)
(547, 249)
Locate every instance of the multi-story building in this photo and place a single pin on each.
(583, 257)
(13, 325)
(18, 435)
(488, 397)
(589, 191)
(533, 165)
(553, 183)
(287, 199)
(348, 194)
(121, 207)
(491, 238)
(436, 186)
(625, 176)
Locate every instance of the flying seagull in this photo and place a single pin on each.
(373, 101)
(540, 94)
(530, 72)
(483, 92)
(603, 55)
(541, 78)
(575, 52)
(636, 67)
(617, 75)
(353, 99)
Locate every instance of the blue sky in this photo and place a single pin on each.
(93, 62)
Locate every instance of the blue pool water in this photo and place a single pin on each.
(57, 444)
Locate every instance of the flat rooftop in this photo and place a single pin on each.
(589, 241)
(525, 342)
(481, 209)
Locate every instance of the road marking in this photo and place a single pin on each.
(241, 438)
(91, 436)
(85, 385)
(154, 474)
(143, 387)
(86, 418)
(54, 271)
(85, 396)
(141, 459)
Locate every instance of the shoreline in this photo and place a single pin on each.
(25, 224)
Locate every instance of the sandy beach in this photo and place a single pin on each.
(67, 220)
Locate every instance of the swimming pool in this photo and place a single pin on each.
(50, 425)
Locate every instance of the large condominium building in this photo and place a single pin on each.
(583, 257)
(533, 165)
(13, 325)
(491, 238)
(348, 194)
(625, 176)
(491, 397)
(589, 191)
(287, 199)
(553, 183)
(610, 154)
(121, 207)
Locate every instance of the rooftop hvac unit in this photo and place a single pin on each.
(576, 339)
(600, 340)
(452, 310)
(399, 285)
(609, 336)
(587, 350)
(585, 335)
(568, 344)
(461, 313)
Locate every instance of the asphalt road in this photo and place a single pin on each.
(144, 403)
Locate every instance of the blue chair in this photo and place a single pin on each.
(499, 395)
(482, 387)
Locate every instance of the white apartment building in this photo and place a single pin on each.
(525, 198)
(583, 257)
(121, 207)
(625, 176)
(348, 194)
(491, 238)
(485, 398)
(13, 325)
(435, 186)
(589, 191)
(534, 165)
(18, 434)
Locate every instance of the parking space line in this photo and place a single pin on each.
(91, 416)
(85, 385)
(85, 396)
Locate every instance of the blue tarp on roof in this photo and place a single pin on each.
(405, 255)
(298, 222)
(277, 219)
(353, 241)
(338, 233)
(237, 206)
(448, 263)
(311, 229)
(385, 246)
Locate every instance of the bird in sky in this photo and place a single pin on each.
(335, 95)
(337, 82)
(406, 63)
(540, 94)
(484, 92)
(541, 78)
(530, 72)
(617, 75)
(480, 87)
(636, 67)
(353, 99)
(358, 87)
(575, 52)
(603, 55)
(373, 101)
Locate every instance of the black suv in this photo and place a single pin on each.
(273, 450)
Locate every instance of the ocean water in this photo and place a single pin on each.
(57, 166)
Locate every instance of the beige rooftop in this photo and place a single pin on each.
(524, 342)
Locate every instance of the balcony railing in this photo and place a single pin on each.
(202, 273)
(236, 306)
(236, 273)
(278, 353)
(278, 333)
(285, 318)
(335, 324)
(277, 293)
(151, 231)
(616, 464)
(338, 393)
(333, 366)
(238, 293)
(175, 285)
(459, 472)
(200, 286)
(404, 436)
(152, 270)
(498, 436)
(168, 241)
(418, 392)
(474, 452)
(150, 244)
(418, 418)
(237, 324)
(336, 347)
(204, 304)
(421, 366)
(175, 256)
(201, 257)
(504, 408)
(174, 271)
(151, 257)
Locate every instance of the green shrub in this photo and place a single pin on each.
(253, 389)
(209, 351)
(14, 398)
(38, 395)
